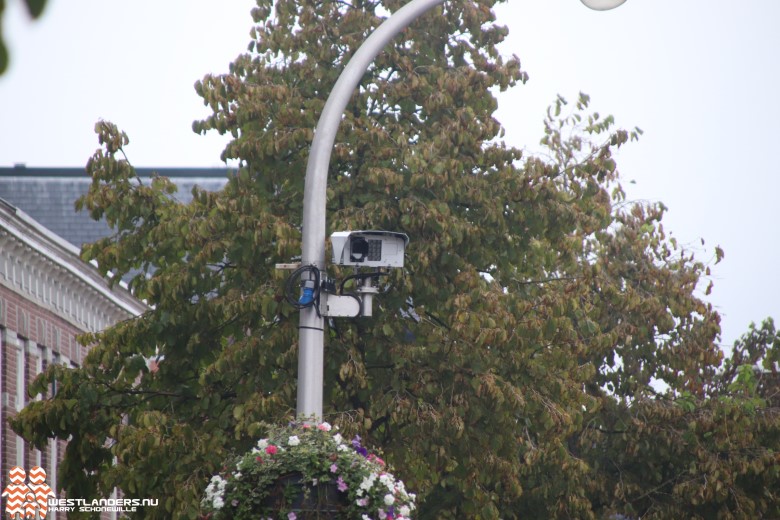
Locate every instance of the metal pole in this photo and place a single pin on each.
(311, 326)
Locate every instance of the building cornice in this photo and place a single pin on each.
(48, 271)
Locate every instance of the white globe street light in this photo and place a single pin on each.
(603, 5)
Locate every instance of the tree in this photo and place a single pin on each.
(510, 368)
(34, 8)
(693, 457)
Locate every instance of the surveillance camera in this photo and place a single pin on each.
(369, 248)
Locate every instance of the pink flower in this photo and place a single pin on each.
(259, 459)
(334, 468)
(376, 459)
(271, 450)
(291, 516)
(341, 484)
(324, 427)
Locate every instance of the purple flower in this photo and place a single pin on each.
(291, 516)
(358, 447)
(341, 484)
(334, 468)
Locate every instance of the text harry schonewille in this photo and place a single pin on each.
(100, 505)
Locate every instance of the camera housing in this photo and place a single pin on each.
(369, 248)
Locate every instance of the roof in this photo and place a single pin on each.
(49, 195)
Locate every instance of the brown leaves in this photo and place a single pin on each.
(510, 368)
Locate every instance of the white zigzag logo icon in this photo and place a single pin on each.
(25, 500)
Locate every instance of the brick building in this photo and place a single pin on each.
(48, 295)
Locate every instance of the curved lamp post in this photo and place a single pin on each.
(311, 324)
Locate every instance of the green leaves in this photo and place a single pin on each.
(510, 370)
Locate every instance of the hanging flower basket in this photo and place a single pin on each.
(306, 499)
(305, 472)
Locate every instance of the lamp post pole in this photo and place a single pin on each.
(311, 324)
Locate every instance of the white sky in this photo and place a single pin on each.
(700, 77)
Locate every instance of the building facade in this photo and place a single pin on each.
(48, 296)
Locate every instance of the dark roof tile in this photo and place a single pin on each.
(49, 195)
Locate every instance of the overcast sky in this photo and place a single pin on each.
(700, 77)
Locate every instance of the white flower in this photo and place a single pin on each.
(293, 440)
(388, 481)
(237, 475)
(368, 482)
(262, 444)
(338, 438)
(366, 517)
(389, 499)
(216, 488)
(342, 447)
(404, 510)
(218, 503)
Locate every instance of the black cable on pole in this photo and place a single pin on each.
(294, 283)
